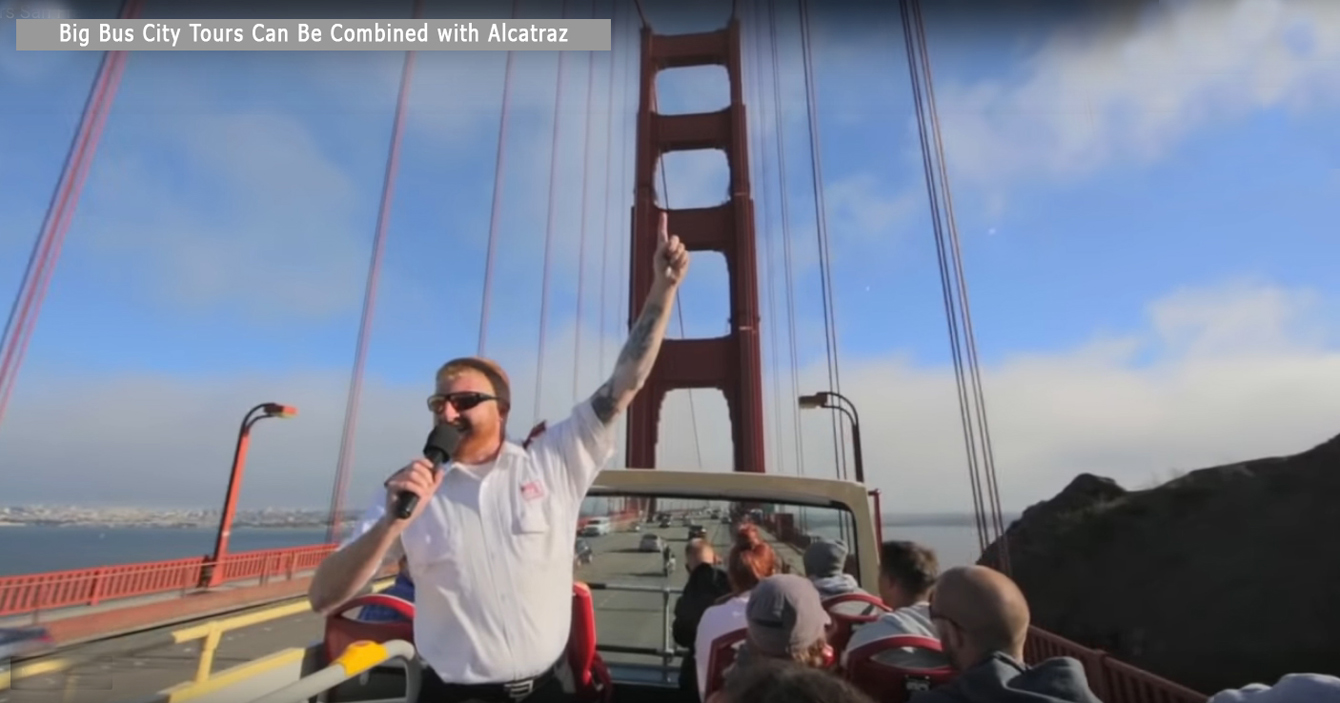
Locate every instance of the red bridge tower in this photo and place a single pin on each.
(730, 363)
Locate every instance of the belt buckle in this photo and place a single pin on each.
(518, 690)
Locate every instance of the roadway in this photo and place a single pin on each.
(136, 665)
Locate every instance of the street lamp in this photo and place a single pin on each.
(260, 412)
(822, 400)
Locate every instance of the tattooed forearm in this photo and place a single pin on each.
(636, 359)
(603, 403)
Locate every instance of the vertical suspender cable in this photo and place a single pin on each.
(549, 230)
(974, 366)
(779, 137)
(370, 299)
(756, 81)
(821, 227)
(609, 153)
(496, 212)
(951, 318)
(46, 249)
(581, 246)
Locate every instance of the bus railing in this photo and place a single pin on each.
(668, 651)
(356, 659)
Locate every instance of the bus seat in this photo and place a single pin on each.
(721, 657)
(848, 611)
(889, 682)
(342, 631)
(590, 677)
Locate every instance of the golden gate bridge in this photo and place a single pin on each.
(747, 47)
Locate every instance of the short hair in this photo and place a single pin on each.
(487, 368)
(782, 681)
(909, 564)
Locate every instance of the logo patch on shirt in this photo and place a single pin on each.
(532, 490)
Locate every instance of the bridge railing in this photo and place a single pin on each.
(32, 593)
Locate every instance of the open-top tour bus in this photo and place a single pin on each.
(621, 646)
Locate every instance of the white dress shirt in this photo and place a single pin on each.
(491, 554)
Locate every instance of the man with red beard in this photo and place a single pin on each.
(491, 540)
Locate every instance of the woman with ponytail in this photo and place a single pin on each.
(751, 560)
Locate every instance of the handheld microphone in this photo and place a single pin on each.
(442, 442)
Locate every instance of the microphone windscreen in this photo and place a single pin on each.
(442, 443)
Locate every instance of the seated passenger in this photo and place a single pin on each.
(402, 588)
(824, 563)
(707, 583)
(982, 619)
(907, 573)
(750, 561)
(785, 620)
(780, 681)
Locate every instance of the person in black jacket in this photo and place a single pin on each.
(706, 585)
(983, 621)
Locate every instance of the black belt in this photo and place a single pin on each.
(512, 690)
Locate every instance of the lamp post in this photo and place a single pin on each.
(822, 400)
(260, 412)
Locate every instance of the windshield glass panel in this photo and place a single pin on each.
(634, 560)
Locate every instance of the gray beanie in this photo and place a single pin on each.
(824, 559)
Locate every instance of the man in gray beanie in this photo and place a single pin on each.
(825, 562)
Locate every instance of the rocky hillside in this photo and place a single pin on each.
(1224, 576)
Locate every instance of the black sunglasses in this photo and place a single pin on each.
(460, 401)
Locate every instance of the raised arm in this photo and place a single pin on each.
(644, 341)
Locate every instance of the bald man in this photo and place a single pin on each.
(706, 584)
(982, 618)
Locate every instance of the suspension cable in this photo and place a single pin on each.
(346, 454)
(779, 137)
(495, 214)
(627, 124)
(549, 229)
(950, 261)
(46, 250)
(755, 66)
(974, 366)
(581, 246)
(821, 228)
(609, 153)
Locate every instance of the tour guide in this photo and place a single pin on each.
(490, 541)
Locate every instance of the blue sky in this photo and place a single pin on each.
(1146, 196)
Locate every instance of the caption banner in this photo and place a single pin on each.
(313, 35)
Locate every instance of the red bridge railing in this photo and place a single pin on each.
(32, 593)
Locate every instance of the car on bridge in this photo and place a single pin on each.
(697, 531)
(651, 543)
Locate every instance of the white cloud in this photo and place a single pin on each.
(1129, 90)
(1218, 375)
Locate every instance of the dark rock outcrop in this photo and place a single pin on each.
(1221, 577)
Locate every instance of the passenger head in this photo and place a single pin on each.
(825, 559)
(907, 573)
(698, 551)
(780, 681)
(978, 611)
(786, 620)
(751, 560)
(473, 394)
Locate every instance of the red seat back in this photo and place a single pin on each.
(721, 657)
(589, 675)
(840, 631)
(342, 631)
(892, 683)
